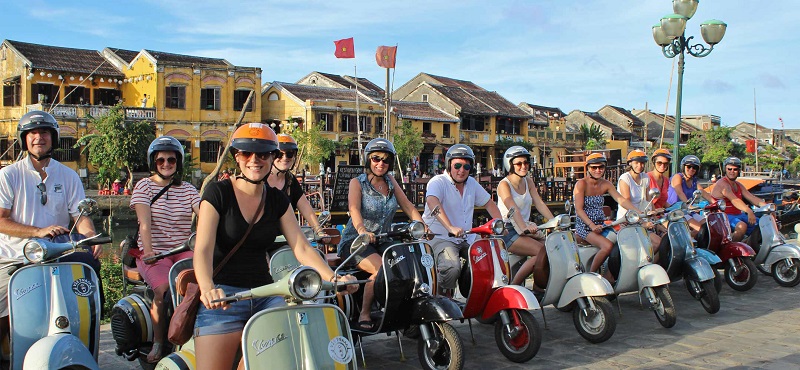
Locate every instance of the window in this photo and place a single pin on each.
(473, 123)
(378, 125)
(506, 125)
(44, 93)
(365, 123)
(209, 98)
(239, 97)
(426, 127)
(107, 96)
(425, 97)
(65, 151)
(348, 123)
(77, 95)
(273, 96)
(176, 97)
(446, 130)
(11, 96)
(327, 119)
(5, 152)
(209, 150)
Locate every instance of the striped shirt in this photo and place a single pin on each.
(170, 215)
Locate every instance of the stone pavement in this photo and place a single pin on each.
(755, 329)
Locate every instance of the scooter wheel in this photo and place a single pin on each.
(747, 277)
(597, 325)
(709, 298)
(665, 311)
(446, 353)
(786, 276)
(523, 341)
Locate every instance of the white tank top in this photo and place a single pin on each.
(523, 201)
(638, 191)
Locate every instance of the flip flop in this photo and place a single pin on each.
(365, 325)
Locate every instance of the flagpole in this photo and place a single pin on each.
(388, 104)
(358, 118)
(755, 127)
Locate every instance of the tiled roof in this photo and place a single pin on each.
(349, 82)
(180, 59)
(480, 101)
(126, 55)
(637, 122)
(65, 59)
(452, 82)
(654, 128)
(616, 130)
(420, 111)
(308, 92)
(368, 84)
(543, 111)
(499, 103)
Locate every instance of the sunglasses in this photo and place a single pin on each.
(170, 160)
(659, 163)
(595, 168)
(733, 169)
(376, 159)
(693, 167)
(466, 166)
(523, 163)
(43, 189)
(260, 155)
(290, 154)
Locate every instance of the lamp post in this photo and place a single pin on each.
(669, 33)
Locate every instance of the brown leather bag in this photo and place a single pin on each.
(181, 325)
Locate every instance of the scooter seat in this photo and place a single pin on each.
(132, 274)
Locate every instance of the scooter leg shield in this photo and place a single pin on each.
(587, 284)
(782, 252)
(652, 275)
(709, 256)
(181, 360)
(698, 269)
(736, 249)
(434, 309)
(59, 351)
(509, 297)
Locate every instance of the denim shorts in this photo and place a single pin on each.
(742, 217)
(219, 321)
(510, 237)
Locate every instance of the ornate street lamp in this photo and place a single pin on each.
(669, 33)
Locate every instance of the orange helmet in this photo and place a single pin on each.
(254, 137)
(286, 143)
(661, 153)
(596, 158)
(636, 155)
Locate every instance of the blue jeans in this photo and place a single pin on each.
(219, 321)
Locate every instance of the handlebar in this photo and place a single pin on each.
(340, 286)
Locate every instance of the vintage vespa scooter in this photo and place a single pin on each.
(561, 275)
(484, 281)
(54, 307)
(631, 263)
(736, 257)
(775, 255)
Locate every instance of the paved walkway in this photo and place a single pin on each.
(755, 329)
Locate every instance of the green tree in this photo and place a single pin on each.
(594, 137)
(120, 146)
(407, 142)
(769, 158)
(504, 143)
(313, 147)
(712, 147)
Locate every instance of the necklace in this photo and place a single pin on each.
(378, 187)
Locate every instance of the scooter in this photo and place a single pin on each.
(736, 257)
(560, 273)
(282, 261)
(775, 255)
(484, 281)
(131, 323)
(631, 264)
(678, 256)
(54, 307)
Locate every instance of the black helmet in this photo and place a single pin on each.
(732, 161)
(458, 151)
(34, 120)
(514, 152)
(164, 144)
(690, 160)
(379, 145)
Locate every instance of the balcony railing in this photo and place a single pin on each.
(70, 111)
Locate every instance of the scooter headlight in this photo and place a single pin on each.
(416, 230)
(721, 204)
(564, 221)
(771, 207)
(632, 217)
(33, 251)
(498, 226)
(676, 215)
(305, 283)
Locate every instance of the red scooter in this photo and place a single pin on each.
(737, 257)
(484, 281)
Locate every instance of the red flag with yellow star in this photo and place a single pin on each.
(344, 48)
(386, 56)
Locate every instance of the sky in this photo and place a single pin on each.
(566, 54)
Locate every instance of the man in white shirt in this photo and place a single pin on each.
(457, 194)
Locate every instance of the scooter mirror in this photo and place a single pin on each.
(359, 243)
(190, 242)
(567, 206)
(87, 206)
(435, 211)
(324, 217)
(653, 194)
(697, 194)
(511, 212)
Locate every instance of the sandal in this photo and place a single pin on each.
(157, 349)
(365, 325)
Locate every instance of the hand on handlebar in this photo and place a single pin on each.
(456, 232)
(531, 229)
(751, 218)
(208, 299)
(50, 231)
(598, 229)
(350, 288)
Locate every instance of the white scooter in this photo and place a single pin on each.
(774, 254)
(54, 307)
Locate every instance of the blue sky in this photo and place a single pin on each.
(567, 54)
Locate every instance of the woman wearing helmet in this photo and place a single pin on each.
(589, 196)
(685, 184)
(517, 190)
(659, 178)
(163, 225)
(373, 198)
(226, 210)
(632, 185)
(281, 178)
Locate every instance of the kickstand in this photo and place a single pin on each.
(400, 343)
(619, 307)
(545, 319)
(361, 347)
(469, 321)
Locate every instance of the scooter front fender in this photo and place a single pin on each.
(59, 351)
(587, 284)
(708, 255)
(510, 297)
(736, 249)
(434, 309)
(697, 269)
(781, 252)
(652, 275)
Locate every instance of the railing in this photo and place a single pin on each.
(70, 111)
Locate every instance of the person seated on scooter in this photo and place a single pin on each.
(164, 225)
(281, 178)
(740, 216)
(226, 209)
(373, 198)
(457, 194)
(38, 199)
(685, 184)
(517, 190)
(589, 196)
(633, 186)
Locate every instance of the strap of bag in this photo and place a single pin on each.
(160, 193)
(246, 233)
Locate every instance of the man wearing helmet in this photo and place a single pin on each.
(740, 216)
(457, 194)
(685, 184)
(38, 199)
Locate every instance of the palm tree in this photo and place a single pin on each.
(593, 135)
